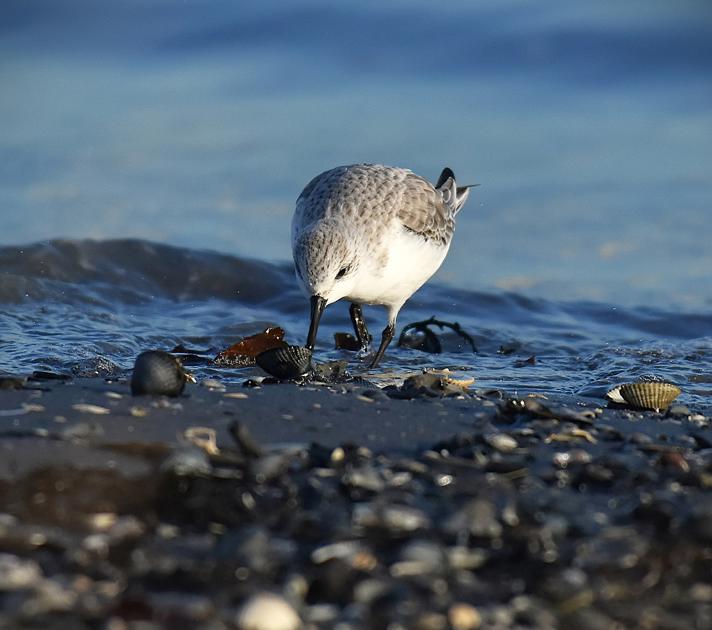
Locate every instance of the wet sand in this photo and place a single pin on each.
(355, 508)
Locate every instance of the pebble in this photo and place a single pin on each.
(17, 573)
(81, 431)
(267, 611)
(339, 550)
(12, 382)
(478, 516)
(30, 407)
(93, 409)
(501, 442)
(397, 518)
(187, 462)
(213, 384)
(464, 617)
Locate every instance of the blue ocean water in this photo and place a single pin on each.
(588, 126)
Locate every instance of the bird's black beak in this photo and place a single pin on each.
(317, 308)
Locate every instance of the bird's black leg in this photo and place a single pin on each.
(386, 338)
(359, 325)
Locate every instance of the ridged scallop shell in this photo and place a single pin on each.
(654, 395)
(285, 363)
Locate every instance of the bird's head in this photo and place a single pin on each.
(325, 262)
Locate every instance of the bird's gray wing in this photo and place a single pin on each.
(422, 210)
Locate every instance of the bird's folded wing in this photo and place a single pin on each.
(422, 210)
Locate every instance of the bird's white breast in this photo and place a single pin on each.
(404, 264)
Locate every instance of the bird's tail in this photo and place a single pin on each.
(454, 196)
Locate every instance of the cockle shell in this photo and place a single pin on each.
(654, 395)
(287, 362)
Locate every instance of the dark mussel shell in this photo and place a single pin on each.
(285, 363)
(157, 373)
(346, 341)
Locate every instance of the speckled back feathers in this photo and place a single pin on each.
(371, 194)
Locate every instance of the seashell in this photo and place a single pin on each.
(286, 362)
(244, 352)
(203, 437)
(158, 373)
(449, 379)
(654, 395)
(614, 395)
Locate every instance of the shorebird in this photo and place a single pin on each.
(372, 234)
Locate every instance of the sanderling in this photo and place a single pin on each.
(371, 234)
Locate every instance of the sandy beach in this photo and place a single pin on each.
(354, 508)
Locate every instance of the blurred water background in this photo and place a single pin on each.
(197, 123)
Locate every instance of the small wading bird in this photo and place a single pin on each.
(374, 235)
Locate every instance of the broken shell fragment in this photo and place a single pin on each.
(449, 379)
(654, 395)
(203, 437)
(286, 363)
(244, 352)
(158, 373)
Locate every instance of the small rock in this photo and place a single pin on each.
(364, 478)
(55, 595)
(701, 592)
(213, 384)
(461, 557)
(430, 621)
(501, 442)
(674, 461)
(93, 409)
(17, 573)
(96, 367)
(81, 431)
(267, 611)
(464, 617)
(479, 517)
(12, 382)
(184, 606)
(339, 550)
(397, 518)
(419, 557)
(244, 440)
(184, 462)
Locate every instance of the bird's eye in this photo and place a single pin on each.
(342, 272)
